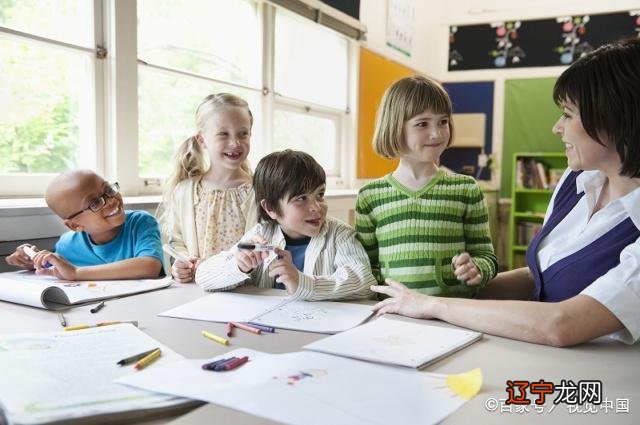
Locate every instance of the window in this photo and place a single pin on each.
(311, 70)
(213, 50)
(114, 85)
(47, 96)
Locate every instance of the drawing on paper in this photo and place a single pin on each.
(301, 375)
(299, 315)
(395, 340)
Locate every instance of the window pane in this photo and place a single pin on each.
(70, 21)
(45, 108)
(310, 62)
(216, 38)
(167, 106)
(312, 134)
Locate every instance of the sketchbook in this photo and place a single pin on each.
(277, 311)
(56, 377)
(396, 342)
(53, 294)
(307, 388)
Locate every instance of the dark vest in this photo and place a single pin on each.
(569, 276)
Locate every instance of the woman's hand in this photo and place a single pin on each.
(402, 300)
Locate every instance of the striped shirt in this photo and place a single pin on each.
(411, 236)
(335, 265)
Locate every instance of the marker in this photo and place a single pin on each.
(256, 246)
(230, 329)
(31, 253)
(216, 338)
(247, 328)
(175, 254)
(63, 320)
(263, 328)
(97, 308)
(97, 325)
(147, 360)
(135, 357)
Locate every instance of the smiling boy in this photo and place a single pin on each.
(315, 257)
(105, 241)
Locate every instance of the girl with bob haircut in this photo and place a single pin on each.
(422, 225)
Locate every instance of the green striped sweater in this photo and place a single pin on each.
(412, 236)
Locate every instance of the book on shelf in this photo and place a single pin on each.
(532, 174)
(527, 231)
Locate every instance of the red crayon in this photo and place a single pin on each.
(230, 329)
(235, 363)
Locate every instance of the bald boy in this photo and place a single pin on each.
(104, 242)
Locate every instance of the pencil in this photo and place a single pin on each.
(216, 338)
(246, 328)
(147, 360)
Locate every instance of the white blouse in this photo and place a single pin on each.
(618, 289)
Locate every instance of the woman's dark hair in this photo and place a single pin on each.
(283, 175)
(605, 87)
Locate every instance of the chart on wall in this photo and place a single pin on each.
(541, 42)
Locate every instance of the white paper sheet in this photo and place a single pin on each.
(396, 342)
(309, 388)
(279, 312)
(64, 375)
(47, 292)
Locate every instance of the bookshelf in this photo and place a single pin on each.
(534, 177)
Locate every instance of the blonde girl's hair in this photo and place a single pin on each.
(402, 101)
(189, 159)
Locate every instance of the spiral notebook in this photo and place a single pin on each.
(396, 342)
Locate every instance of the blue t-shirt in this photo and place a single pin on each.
(139, 237)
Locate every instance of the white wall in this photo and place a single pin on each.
(431, 40)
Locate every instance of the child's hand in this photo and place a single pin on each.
(59, 267)
(283, 269)
(249, 260)
(185, 271)
(465, 269)
(20, 258)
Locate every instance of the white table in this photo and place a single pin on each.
(615, 364)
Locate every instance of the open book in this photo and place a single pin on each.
(67, 377)
(396, 342)
(53, 294)
(277, 311)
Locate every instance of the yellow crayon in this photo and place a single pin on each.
(76, 328)
(146, 361)
(216, 338)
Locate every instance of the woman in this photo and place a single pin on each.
(585, 263)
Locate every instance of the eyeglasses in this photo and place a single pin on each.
(99, 203)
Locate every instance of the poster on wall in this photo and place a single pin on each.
(400, 18)
(541, 42)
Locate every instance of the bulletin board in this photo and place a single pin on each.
(529, 115)
(376, 74)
